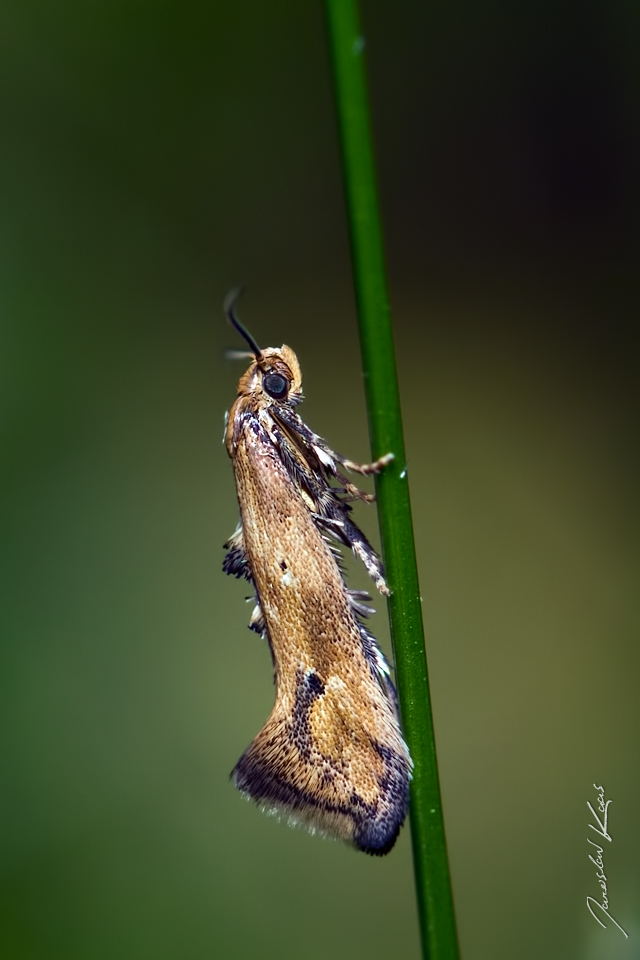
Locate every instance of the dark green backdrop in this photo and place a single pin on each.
(153, 155)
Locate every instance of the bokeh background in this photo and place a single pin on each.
(155, 154)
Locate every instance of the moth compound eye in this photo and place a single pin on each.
(275, 385)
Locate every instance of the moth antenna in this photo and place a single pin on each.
(229, 309)
(232, 354)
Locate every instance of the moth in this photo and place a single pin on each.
(331, 756)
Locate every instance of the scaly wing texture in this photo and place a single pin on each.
(331, 755)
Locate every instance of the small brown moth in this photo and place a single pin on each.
(331, 756)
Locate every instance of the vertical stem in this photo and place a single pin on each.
(433, 887)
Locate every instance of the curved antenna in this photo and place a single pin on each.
(228, 307)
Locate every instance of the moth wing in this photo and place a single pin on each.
(317, 763)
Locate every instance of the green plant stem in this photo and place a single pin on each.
(433, 886)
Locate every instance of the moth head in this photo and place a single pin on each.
(274, 374)
(279, 375)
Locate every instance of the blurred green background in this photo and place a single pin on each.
(152, 156)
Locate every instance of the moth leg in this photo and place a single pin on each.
(372, 562)
(328, 458)
(331, 513)
(344, 531)
(352, 491)
(318, 490)
(257, 621)
(235, 562)
(366, 469)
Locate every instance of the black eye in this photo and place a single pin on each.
(275, 385)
